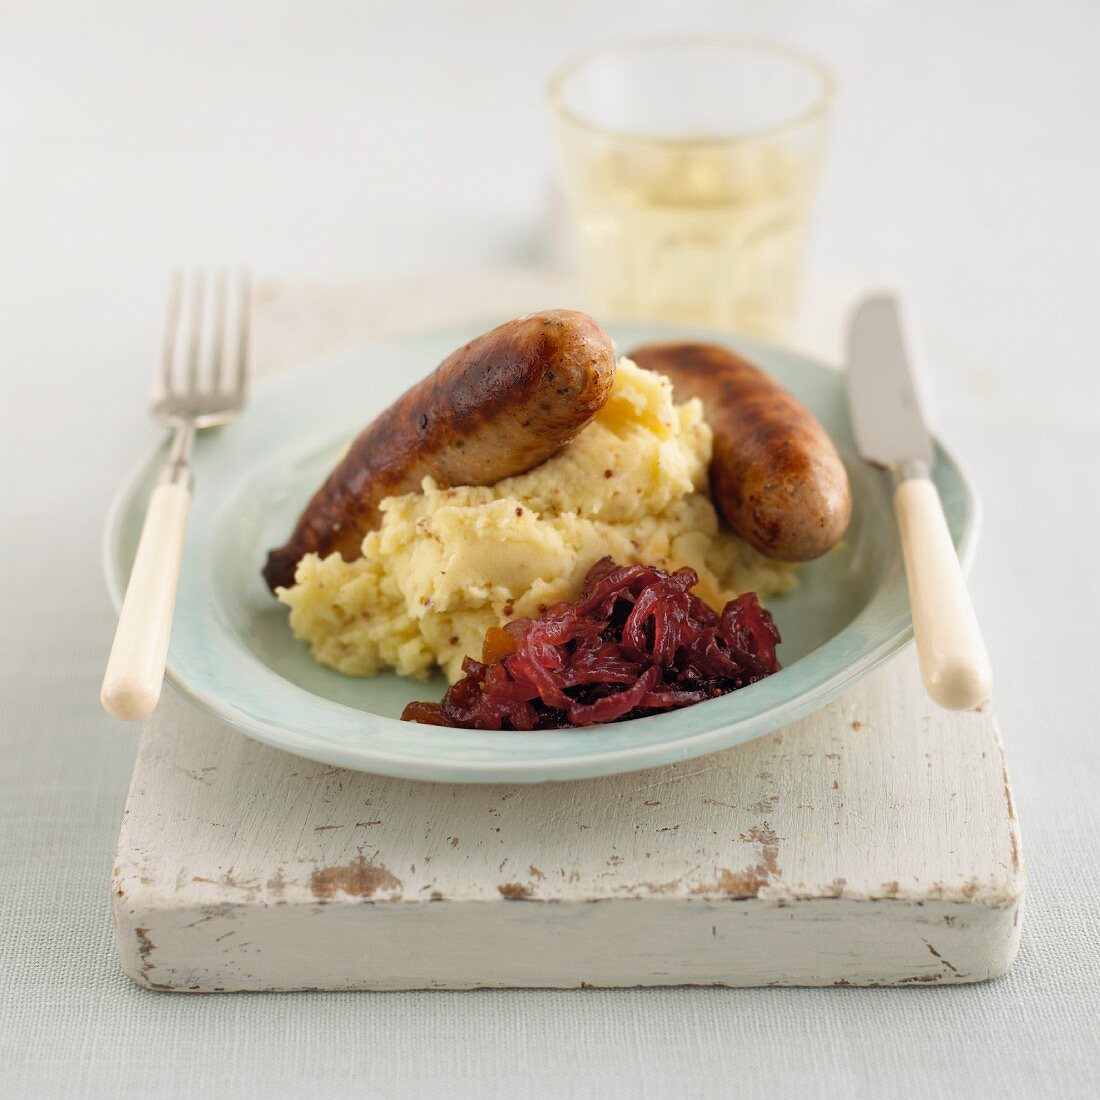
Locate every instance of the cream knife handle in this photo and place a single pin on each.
(135, 669)
(953, 661)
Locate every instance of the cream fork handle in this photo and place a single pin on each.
(135, 669)
(953, 660)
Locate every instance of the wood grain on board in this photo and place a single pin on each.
(871, 843)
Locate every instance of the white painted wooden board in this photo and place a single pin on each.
(871, 843)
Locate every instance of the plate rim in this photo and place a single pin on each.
(590, 765)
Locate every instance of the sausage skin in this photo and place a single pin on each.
(775, 473)
(492, 409)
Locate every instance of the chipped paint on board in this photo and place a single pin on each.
(361, 878)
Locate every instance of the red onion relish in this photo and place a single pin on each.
(636, 642)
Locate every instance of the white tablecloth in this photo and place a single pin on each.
(384, 140)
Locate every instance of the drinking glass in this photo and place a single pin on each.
(691, 165)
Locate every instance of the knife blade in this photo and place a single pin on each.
(890, 432)
(886, 415)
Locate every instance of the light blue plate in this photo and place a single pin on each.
(232, 652)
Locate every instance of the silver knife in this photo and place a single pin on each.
(890, 433)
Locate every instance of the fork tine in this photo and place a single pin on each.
(217, 338)
(198, 283)
(171, 331)
(244, 317)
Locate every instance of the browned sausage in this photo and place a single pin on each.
(496, 407)
(775, 475)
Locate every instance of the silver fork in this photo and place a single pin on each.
(201, 381)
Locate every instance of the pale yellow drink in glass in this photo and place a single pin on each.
(706, 225)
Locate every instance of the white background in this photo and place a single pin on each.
(375, 139)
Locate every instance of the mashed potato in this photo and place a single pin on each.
(447, 564)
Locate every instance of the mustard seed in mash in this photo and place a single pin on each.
(447, 564)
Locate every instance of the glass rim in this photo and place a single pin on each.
(817, 110)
